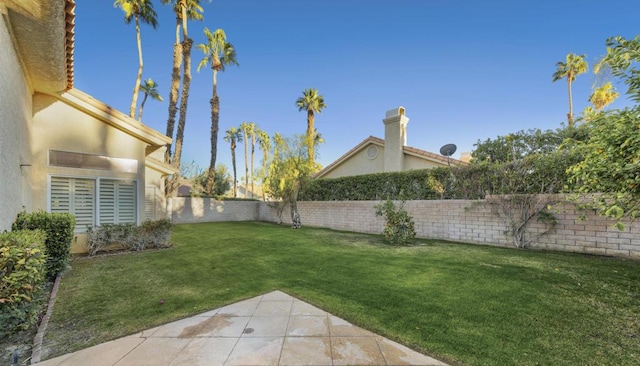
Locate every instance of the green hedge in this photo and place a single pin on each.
(410, 185)
(59, 228)
(534, 174)
(22, 269)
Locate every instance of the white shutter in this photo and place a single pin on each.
(74, 196)
(107, 201)
(83, 202)
(60, 195)
(126, 202)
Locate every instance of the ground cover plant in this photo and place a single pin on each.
(465, 304)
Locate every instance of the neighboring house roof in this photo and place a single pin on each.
(43, 31)
(426, 155)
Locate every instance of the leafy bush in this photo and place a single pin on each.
(151, 234)
(59, 228)
(22, 269)
(399, 227)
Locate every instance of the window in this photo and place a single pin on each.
(116, 200)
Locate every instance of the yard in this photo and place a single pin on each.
(464, 304)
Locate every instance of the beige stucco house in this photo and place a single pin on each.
(375, 155)
(60, 149)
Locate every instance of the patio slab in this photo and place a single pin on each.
(270, 329)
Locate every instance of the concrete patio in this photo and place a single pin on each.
(271, 329)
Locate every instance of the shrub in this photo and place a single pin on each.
(59, 228)
(22, 269)
(154, 234)
(151, 234)
(399, 227)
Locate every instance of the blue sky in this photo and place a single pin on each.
(464, 70)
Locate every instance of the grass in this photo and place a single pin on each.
(465, 304)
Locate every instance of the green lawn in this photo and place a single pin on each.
(466, 304)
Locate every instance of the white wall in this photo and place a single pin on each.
(15, 120)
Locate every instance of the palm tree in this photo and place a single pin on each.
(149, 88)
(603, 96)
(246, 128)
(138, 10)
(184, 9)
(252, 131)
(574, 66)
(233, 136)
(219, 53)
(311, 102)
(265, 145)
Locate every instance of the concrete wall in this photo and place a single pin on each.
(187, 210)
(15, 120)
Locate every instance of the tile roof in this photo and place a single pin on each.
(70, 23)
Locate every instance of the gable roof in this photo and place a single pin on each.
(407, 150)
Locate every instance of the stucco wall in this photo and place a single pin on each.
(58, 126)
(415, 163)
(185, 210)
(15, 118)
(359, 164)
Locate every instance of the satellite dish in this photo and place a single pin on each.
(448, 150)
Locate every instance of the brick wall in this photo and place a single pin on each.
(455, 220)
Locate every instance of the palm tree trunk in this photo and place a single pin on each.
(310, 133)
(253, 149)
(184, 99)
(215, 114)
(136, 88)
(264, 172)
(246, 165)
(233, 162)
(570, 115)
(144, 100)
(173, 96)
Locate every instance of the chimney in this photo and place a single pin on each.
(395, 137)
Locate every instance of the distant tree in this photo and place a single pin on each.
(572, 67)
(311, 102)
(602, 96)
(289, 171)
(265, 145)
(252, 131)
(233, 136)
(218, 53)
(246, 135)
(149, 88)
(138, 10)
(222, 182)
(518, 145)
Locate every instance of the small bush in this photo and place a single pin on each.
(399, 227)
(151, 234)
(59, 228)
(22, 270)
(154, 234)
